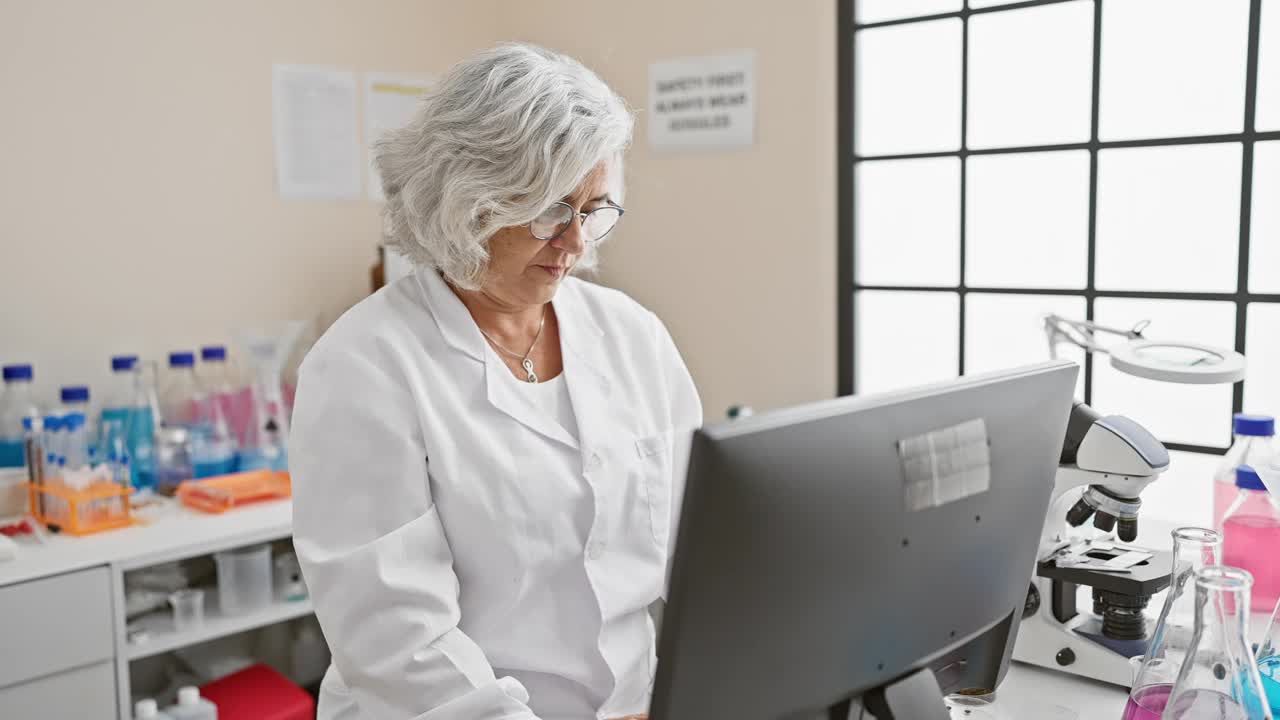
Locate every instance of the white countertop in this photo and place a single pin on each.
(168, 532)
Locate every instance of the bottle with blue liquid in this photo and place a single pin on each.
(208, 444)
(129, 421)
(17, 401)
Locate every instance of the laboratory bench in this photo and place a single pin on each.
(62, 608)
(63, 621)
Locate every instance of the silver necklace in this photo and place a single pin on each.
(525, 362)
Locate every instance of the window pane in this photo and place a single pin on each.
(1172, 67)
(1268, 110)
(1262, 349)
(1264, 231)
(1027, 220)
(1031, 76)
(1169, 218)
(869, 11)
(908, 88)
(1004, 331)
(1195, 414)
(908, 222)
(905, 338)
(990, 3)
(1183, 494)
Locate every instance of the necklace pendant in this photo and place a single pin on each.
(527, 364)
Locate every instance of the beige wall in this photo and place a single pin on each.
(138, 209)
(735, 250)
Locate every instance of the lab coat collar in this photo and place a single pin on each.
(581, 348)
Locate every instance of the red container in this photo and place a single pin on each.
(259, 693)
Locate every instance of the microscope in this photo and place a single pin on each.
(1106, 463)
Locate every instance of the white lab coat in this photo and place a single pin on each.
(455, 538)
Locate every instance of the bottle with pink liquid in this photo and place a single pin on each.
(1251, 536)
(1254, 444)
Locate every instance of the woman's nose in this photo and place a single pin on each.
(572, 240)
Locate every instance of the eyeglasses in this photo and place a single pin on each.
(555, 220)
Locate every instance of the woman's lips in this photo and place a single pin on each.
(555, 271)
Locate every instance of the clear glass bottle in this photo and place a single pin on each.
(1219, 680)
(213, 444)
(128, 423)
(1193, 549)
(1253, 443)
(1251, 536)
(180, 392)
(17, 401)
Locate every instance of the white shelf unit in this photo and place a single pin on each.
(162, 637)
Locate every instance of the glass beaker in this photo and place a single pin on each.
(1219, 680)
(1193, 549)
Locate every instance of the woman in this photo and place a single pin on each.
(487, 455)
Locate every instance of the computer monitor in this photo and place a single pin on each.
(860, 549)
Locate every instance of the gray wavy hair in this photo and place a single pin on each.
(508, 132)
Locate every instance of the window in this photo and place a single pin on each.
(1115, 160)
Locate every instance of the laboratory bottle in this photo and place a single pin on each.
(1254, 444)
(1251, 536)
(75, 441)
(180, 393)
(1219, 680)
(1193, 549)
(146, 709)
(213, 445)
(191, 706)
(17, 401)
(53, 446)
(129, 418)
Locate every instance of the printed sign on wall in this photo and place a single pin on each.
(703, 102)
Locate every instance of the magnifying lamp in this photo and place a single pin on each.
(1165, 360)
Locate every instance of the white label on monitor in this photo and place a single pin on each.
(945, 465)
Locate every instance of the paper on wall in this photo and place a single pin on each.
(389, 103)
(703, 102)
(317, 145)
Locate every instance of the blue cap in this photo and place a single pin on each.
(17, 372)
(75, 393)
(121, 363)
(52, 422)
(182, 359)
(1254, 425)
(213, 352)
(1247, 478)
(73, 421)
(29, 422)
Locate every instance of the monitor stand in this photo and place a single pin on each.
(914, 697)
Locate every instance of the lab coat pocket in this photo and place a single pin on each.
(654, 453)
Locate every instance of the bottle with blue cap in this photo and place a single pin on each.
(1251, 536)
(17, 401)
(76, 399)
(129, 420)
(213, 440)
(1254, 444)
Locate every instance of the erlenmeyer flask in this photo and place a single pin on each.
(1193, 549)
(266, 439)
(1219, 680)
(1269, 662)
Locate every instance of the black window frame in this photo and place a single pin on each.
(847, 285)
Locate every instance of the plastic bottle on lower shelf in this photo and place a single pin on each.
(191, 706)
(146, 709)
